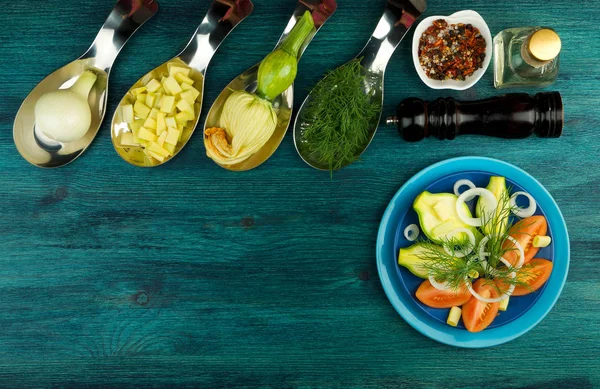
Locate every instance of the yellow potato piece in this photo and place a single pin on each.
(153, 85)
(145, 134)
(127, 113)
(174, 70)
(167, 104)
(173, 136)
(184, 106)
(150, 124)
(171, 86)
(141, 110)
(183, 79)
(155, 148)
(161, 138)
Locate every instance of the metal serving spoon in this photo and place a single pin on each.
(397, 19)
(222, 17)
(284, 103)
(34, 145)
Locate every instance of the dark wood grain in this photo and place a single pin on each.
(192, 276)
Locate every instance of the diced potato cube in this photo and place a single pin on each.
(182, 118)
(141, 110)
(185, 86)
(154, 113)
(171, 86)
(153, 85)
(150, 124)
(141, 98)
(155, 148)
(137, 91)
(145, 134)
(161, 138)
(127, 112)
(177, 69)
(143, 143)
(188, 96)
(154, 155)
(169, 148)
(167, 103)
(183, 79)
(170, 121)
(184, 106)
(157, 100)
(127, 139)
(195, 93)
(150, 98)
(173, 136)
(161, 125)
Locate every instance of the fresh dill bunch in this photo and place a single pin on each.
(338, 116)
(446, 267)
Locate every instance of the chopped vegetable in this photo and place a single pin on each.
(411, 232)
(413, 258)
(434, 298)
(454, 316)
(438, 225)
(523, 212)
(158, 113)
(503, 304)
(541, 241)
(476, 314)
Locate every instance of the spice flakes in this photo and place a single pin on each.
(451, 51)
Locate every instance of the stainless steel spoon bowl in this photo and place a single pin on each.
(34, 146)
(222, 17)
(397, 19)
(284, 103)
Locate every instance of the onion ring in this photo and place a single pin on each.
(460, 183)
(523, 212)
(487, 196)
(411, 232)
(439, 285)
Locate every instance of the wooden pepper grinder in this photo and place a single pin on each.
(517, 115)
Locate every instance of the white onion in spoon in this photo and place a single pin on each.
(460, 183)
(488, 197)
(523, 212)
(461, 253)
(411, 232)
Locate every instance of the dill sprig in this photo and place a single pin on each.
(446, 267)
(338, 116)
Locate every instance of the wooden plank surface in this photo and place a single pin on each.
(192, 276)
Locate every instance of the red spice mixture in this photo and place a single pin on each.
(451, 51)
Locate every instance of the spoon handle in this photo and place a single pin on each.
(398, 17)
(222, 17)
(121, 24)
(321, 11)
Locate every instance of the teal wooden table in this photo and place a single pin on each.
(191, 276)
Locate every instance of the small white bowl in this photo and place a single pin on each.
(466, 17)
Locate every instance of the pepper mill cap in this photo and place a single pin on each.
(545, 44)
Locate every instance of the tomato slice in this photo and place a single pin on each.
(535, 275)
(477, 315)
(435, 298)
(523, 232)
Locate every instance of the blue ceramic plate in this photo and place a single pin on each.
(523, 312)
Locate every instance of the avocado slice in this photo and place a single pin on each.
(413, 257)
(438, 217)
(497, 186)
